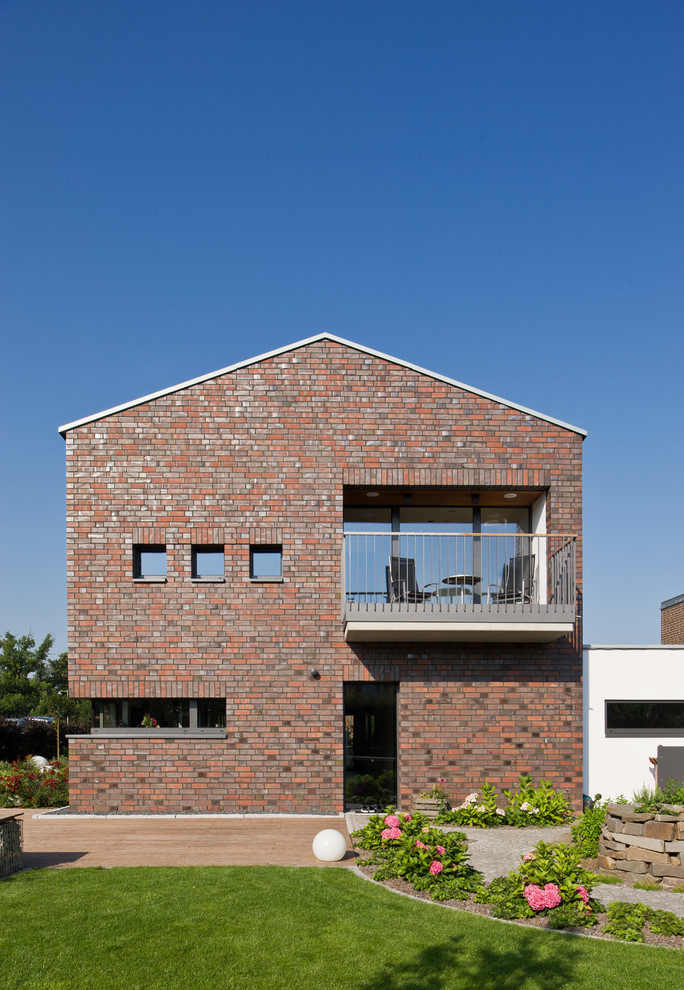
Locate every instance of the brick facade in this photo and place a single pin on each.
(672, 621)
(261, 455)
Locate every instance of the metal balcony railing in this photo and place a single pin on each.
(453, 572)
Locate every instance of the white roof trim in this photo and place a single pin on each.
(302, 343)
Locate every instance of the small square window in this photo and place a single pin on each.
(208, 562)
(266, 563)
(149, 561)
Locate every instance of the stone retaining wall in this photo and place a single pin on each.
(10, 847)
(643, 847)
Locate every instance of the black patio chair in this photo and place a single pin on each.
(516, 582)
(401, 582)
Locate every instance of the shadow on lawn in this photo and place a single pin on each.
(453, 964)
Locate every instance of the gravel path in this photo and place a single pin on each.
(497, 851)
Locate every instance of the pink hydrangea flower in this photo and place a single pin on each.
(553, 895)
(528, 857)
(392, 821)
(539, 899)
(420, 845)
(391, 833)
(407, 818)
(582, 891)
(435, 867)
(534, 896)
(440, 849)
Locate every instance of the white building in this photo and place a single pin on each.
(633, 703)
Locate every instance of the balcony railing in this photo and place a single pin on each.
(460, 577)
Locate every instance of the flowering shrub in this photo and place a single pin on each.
(536, 805)
(530, 805)
(438, 792)
(548, 880)
(23, 784)
(424, 856)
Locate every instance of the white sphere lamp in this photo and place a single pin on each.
(329, 846)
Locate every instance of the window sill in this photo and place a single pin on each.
(150, 579)
(139, 733)
(209, 580)
(266, 580)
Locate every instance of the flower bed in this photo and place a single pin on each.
(527, 805)
(549, 889)
(28, 783)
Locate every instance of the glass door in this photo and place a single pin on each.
(370, 745)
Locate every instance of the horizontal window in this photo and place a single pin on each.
(152, 714)
(645, 718)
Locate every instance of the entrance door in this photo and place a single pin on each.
(370, 745)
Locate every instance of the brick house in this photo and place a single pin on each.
(672, 620)
(329, 577)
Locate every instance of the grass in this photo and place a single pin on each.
(248, 928)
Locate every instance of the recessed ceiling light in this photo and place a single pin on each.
(511, 495)
(372, 494)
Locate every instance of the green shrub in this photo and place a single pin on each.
(529, 805)
(656, 800)
(25, 785)
(536, 805)
(407, 846)
(547, 880)
(627, 921)
(665, 923)
(587, 831)
(478, 811)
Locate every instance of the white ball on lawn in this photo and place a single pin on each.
(40, 763)
(329, 845)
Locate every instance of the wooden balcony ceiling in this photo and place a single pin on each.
(396, 495)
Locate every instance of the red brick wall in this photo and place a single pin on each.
(261, 455)
(672, 624)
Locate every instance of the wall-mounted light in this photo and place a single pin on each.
(314, 674)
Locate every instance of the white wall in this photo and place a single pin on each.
(616, 765)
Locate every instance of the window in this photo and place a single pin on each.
(177, 716)
(149, 562)
(266, 562)
(645, 718)
(208, 563)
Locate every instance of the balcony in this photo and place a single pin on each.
(459, 587)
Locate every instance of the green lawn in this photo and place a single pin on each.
(283, 929)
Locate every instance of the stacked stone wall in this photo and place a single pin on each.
(643, 847)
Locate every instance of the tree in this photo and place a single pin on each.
(33, 684)
(21, 658)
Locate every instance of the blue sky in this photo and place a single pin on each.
(490, 190)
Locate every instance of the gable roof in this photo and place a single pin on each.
(303, 343)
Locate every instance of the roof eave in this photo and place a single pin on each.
(303, 343)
